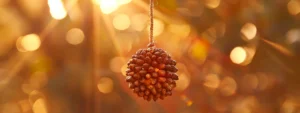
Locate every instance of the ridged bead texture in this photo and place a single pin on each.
(151, 74)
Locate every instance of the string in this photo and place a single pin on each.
(151, 41)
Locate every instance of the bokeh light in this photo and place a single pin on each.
(293, 36)
(105, 85)
(158, 28)
(212, 4)
(293, 7)
(116, 64)
(183, 82)
(228, 86)
(188, 101)
(249, 82)
(121, 22)
(57, 9)
(238, 55)
(29, 42)
(211, 81)
(139, 21)
(34, 96)
(288, 106)
(198, 51)
(75, 36)
(108, 6)
(183, 30)
(38, 80)
(249, 31)
(39, 106)
(122, 2)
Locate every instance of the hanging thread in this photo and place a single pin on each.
(151, 41)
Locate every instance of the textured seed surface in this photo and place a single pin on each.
(151, 74)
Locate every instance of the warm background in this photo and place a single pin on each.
(69, 56)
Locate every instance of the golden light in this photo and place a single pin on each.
(116, 64)
(212, 4)
(75, 36)
(249, 31)
(108, 6)
(183, 82)
(139, 21)
(159, 27)
(293, 7)
(39, 106)
(198, 51)
(228, 86)
(211, 81)
(105, 85)
(264, 81)
(31, 7)
(122, 2)
(293, 36)
(57, 9)
(188, 101)
(123, 70)
(4, 2)
(288, 106)
(238, 55)
(34, 96)
(121, 22)
(29, 42)
(181, 30)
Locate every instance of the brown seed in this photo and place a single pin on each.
(148, 59)
(168, 67)
(153, 91)
(136, 76)
(150, 87)
(150, 69)
(170, 80)
(162, 97)
(159, 90)
(154, 63)
(153, 81)
(147, 92)
(142, 80)
(131, 66)
(129, 79)
(128, 71)
(157, 95)
(147, 82)
(169, 93)
(130, 74)
(164, 91)
(156, 53)
(169, 74)
(149, 98)
(137, 69)
(148, 76)
(156, 69)
(165, 85)
(158, 85)
(154, 75)
(164, 55)
(143, 72)
(143, 88)
(169, 88)
(136, 83)
(136, 89)
(148, 54)
(159, 59)
(162, 79)
(161, 66)
(175, 77)
(146, 66)
(161, 73)
(153, 57)
(141, 94)
(139, 61)
(145, 97)
(131, 86)
(155, 98)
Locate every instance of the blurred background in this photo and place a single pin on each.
(69, 56)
